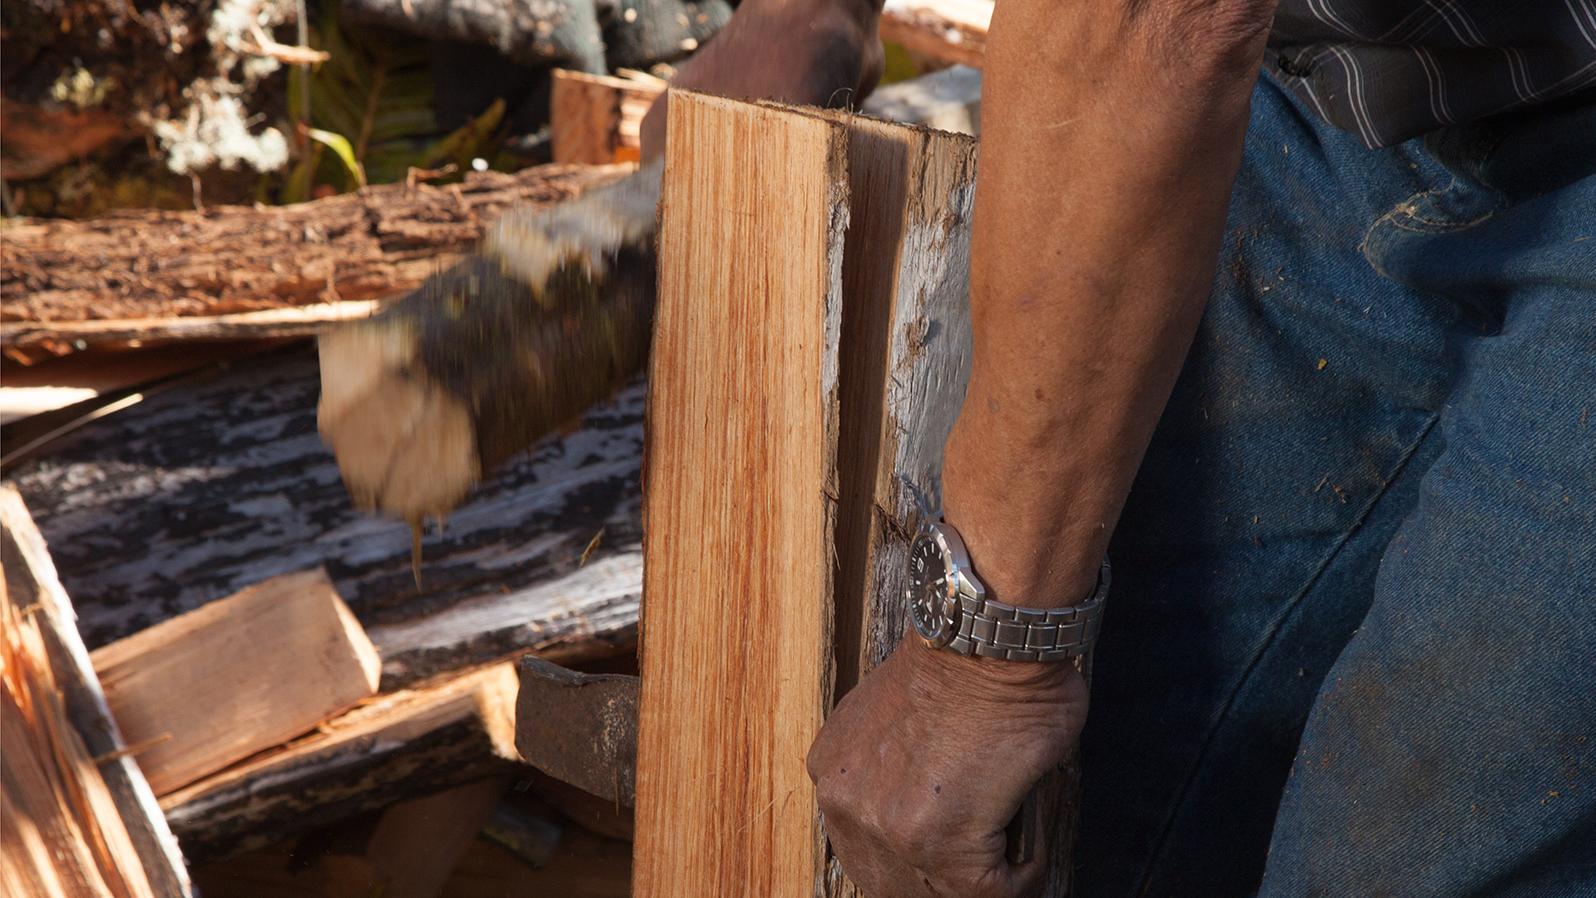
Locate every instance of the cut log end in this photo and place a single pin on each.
(405, 446)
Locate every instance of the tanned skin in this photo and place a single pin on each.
(1112, 132)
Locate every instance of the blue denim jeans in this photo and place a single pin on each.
(1351, 649)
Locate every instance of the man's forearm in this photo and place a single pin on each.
(1100, 204)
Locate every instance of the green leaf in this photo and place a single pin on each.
(344, 150)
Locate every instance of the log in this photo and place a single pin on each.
(736, 656)
(138, 266)
(562, 32)
(949, 31)
(422, 400)
(550, 316)
(598, 119)
(220, 483)
(236, 676)
(948, 99)
(401, 745)
(57, 383)
(133, 333)
(79, 817)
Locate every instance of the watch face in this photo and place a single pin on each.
(929, 589)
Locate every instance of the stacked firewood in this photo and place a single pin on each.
(251, 663)
(217, 672)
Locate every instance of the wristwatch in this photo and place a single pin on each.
(949, 608)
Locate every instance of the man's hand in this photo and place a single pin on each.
(812, 52)
(921, 768)
(1111, 134)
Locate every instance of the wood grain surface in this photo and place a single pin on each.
(742, 435)
(236, 676)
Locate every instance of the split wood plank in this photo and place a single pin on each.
(397, 746)
(950, 31)
(126, 276)
(79, 817)
(133, 333)
(598, 119)
(221, 481)
(34, 390)
(912, 193)
(904, 351)
(743, 414)
(236, 676)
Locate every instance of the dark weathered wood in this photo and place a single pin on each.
(68, 686)
(143, 265)
(562, 32)
(409, 743)
(907, 363)
(217, 484)
(579, 728)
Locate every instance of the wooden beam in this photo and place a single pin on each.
(236, 676)
(950, 31)
(128, 276)
(79, 817)
(597, 119)
(743, 415)
(397, 746)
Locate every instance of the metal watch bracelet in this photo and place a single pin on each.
(992, 629)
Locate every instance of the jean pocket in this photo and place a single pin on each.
(1458, 206)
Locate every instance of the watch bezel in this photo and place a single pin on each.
(958, 576)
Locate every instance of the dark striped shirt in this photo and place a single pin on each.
(1388, 70)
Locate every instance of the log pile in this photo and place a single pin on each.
(249, 671)
(277, 671)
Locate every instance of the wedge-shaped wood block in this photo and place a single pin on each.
(76, 816)
(197, 692)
